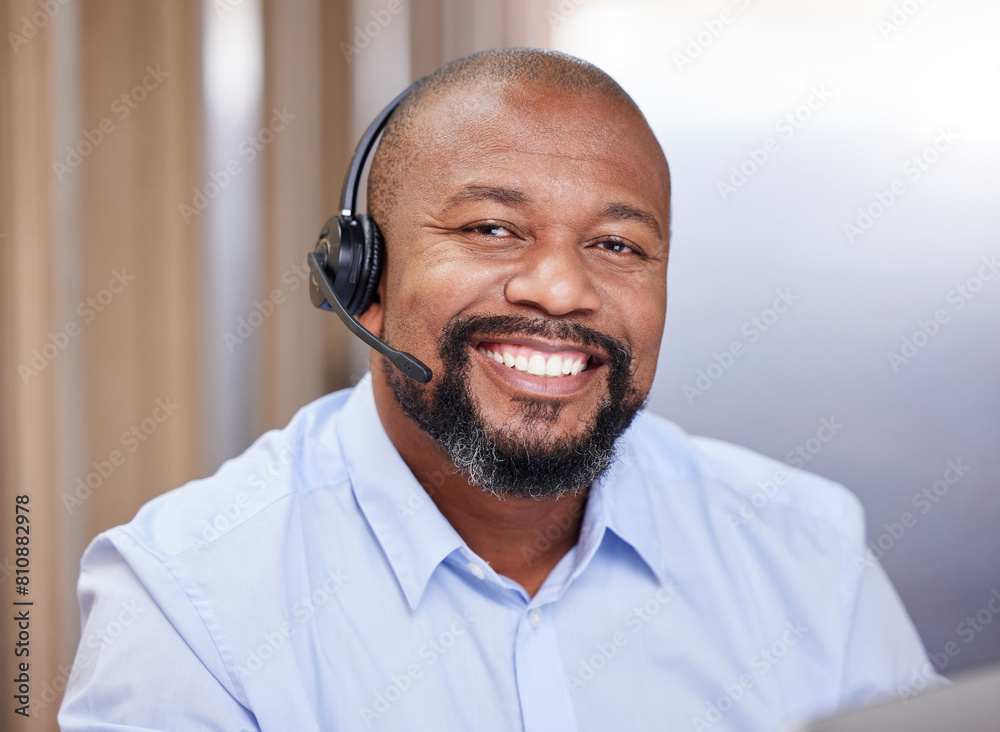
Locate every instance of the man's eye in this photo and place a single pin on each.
(618, 247)
(492, 230)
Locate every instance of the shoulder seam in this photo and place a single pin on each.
(224, 652)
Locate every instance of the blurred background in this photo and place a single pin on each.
(834, 287)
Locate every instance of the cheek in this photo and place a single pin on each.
(430, 291)
(456, 279)
(644, 319)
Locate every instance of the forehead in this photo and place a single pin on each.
(514, 131)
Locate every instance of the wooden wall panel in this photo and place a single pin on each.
(29, 410)
(134, 414)
(304, 350)
(337, 145)
(141, 74)
(443, 30)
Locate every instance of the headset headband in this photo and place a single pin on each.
(349, 252)
(352, 181)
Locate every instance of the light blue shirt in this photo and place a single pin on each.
(311, 584)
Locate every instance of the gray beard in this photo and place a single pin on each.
(518, 462)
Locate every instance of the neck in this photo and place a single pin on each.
(521, 538)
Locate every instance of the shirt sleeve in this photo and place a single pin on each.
(133, 669)
(884, 655)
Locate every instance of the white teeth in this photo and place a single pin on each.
(536, 365)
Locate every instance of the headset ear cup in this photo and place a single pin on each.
(372, 264)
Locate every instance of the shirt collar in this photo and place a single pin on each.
(412, 532)
(621, 500)
(619, 503)
(415, 535)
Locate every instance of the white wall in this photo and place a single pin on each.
(892, 88)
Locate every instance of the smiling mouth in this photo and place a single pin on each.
(550, 364)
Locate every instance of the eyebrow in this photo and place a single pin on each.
(626, 212)
(513, 197)
(500, 194)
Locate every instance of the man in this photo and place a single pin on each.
(513, 545)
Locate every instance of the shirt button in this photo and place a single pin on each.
(477, 570)
(535, 618)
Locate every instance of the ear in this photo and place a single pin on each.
(373, 318)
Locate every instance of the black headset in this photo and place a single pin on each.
(347, 262)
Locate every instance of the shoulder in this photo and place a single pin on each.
(747, 531)
(219, 561)
(247, 492)
(737, 479)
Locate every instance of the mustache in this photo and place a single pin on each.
(459, 331)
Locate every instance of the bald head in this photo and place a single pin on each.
(485, 75)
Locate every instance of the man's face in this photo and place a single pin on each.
(526, 265)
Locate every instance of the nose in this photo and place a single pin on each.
(553, 277)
